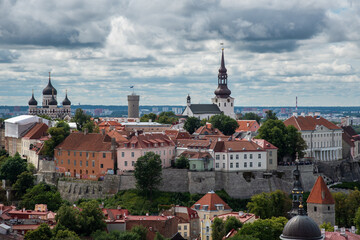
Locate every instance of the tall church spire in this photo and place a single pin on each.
(297, 192)
(222, 91)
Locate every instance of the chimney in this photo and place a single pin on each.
(342, 232)
(85, 131)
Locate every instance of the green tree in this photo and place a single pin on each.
(191, 124)
(43, 232)
(357, 220)
(218, 230)
(147, 117)
(182, 162)
(58, 134)
(91, 218)
(327, 226)
(287, 139)
(148, 172)
(44, 116)
(264, 229)
(270, 115)
(244, 237)
(140, 230)
(267, 205)
(42, 193)
(90, 126)
(65, 235)
(12, 168)
(67, 218)
(224, 123)
(158, 236)
(81, 118)
(24, 181)
(352, 204)
(232, 223)
(167, 118)
(115, 235)
(251, 116)
(203, 122)
(341, 215)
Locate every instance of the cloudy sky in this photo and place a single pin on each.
(274, 50)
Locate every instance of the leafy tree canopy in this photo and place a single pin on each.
(147, 172)
(182, 162)
(267, 205)
(58, 134)
(224, 123)
(147, 117)
(167, 118)
(24, 181)
(191, 124)
(43, 232)
(327, 226)
(12, 167)
(270, 115)
(42, 193)
(81, 119)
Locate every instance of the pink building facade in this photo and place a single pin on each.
(139, 145)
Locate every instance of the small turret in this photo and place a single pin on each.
(32, 101)
(53, 101)
(66, 101)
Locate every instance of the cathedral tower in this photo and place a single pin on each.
(222, 94)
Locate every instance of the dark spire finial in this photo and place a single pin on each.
(222, 91)
(49, 75)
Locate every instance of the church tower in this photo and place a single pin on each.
(297, 192)
(49, 92)
(222, 94)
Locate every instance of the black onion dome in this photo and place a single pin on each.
(222, 91)
(66, 101)
(48, 90)
(301, 227)
(53, 101)
(32, 101)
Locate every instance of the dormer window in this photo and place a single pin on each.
(197, 206)
(125, 144)
(205, 207)
(133, 145)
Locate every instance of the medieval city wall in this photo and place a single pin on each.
(236, 184)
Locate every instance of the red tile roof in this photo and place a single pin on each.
(117, 135)
(148, 140)
(86, 142)
(37, 132)
(195, 154)
(236, 146)
(247, 125)
(320, 193)
(207, 129)
(241, 216)
(264, 144)
(211, 199)
(309, 123)
(338, 236)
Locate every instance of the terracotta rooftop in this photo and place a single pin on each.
(195, 144)
(196, 154)
(338, 236)
(264, 144)
(177, 134)
(247, 125)
(242, 217)
(37, 132)
(309, 123)
(148, 140)
(320, 193)
(86, 142)
(210, 200)
(236, 146)
(117, 135)
(207, 129)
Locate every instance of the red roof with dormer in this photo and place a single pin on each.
(320, 193)
(211, 200)
(247, 125)
(309, 123)
(264, 144)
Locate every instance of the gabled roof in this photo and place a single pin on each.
(38, 131)
(205, 108)
(148, 140)
(211, 199)
(309, 123)
(208, 129)
(117, 135)
(236, 146)
(264, 144)
(196, 155)
(320, 193)
(86, 142)
(177, 134)
(247, 125)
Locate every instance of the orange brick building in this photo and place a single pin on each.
(87, 156)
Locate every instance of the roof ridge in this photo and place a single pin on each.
(320, 193)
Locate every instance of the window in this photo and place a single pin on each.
(251, 164)
(259, 155)
(59, 153)
(231, 157)
(328, 208)
(245, 156)
(194, 166)
(270, 153)
(237, 165)
(217, 157)
(80, 163)
(93, 163)
(179, 228)
(132, 145)
(74, 162)
(101, 165)
(68, 161)
(315, 209)
(87, 154)
(68, 153)
(62, 162)
(259, 164)
(93, 154)
(207, 238)
(125, 163)
(185, 233)
(87, 163)
(122, 154)
(225, 104)
(207, 229)
(132, 163)
(80, 154)
(250, 156)
(245, 164)
(217, 165)
(270, 160)
(132, 154)
(224, 157)
(237, 156)
(231, 165)
(223, 165)
(185, 228)
(74, 154)
(104, 155)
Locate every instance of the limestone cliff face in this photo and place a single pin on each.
(236, 184)
(339, 171)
